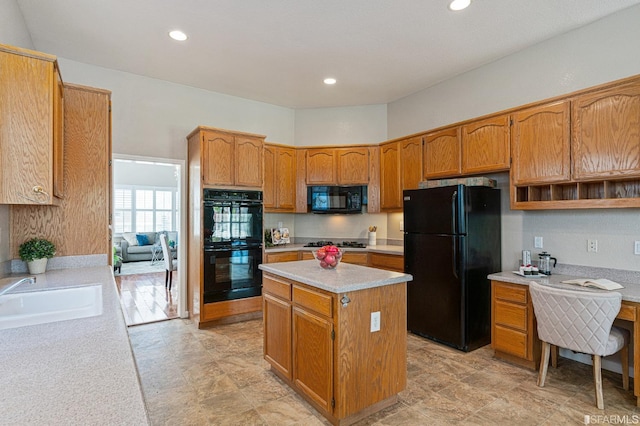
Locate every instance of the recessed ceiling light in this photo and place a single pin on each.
(177, 35)
(459, 4)
(329, 81)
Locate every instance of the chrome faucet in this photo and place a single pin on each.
(13, 283)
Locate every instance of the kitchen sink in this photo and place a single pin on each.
(40, 307)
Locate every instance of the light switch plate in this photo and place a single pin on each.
(375, 321)
(537, 242)
(636, 247)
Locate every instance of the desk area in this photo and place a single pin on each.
(514, 335)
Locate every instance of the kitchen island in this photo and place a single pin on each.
(73, 372)
(337, 337)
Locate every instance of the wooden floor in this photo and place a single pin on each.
(144, 298)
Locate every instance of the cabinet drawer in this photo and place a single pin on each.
(510, 315)
(312, 300)
(514, 294)
(276, 287)
(510, 341)
(287, 256)
(355, 258)
(627, 312)
(387, 261)
(306, 255)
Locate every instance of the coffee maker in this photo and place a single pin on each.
(544, 263)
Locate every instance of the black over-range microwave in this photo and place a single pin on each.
(336, 199)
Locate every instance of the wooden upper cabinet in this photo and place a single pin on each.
(337, 166)
(605, 138)
(231, 159)
(31, 127)
(485, 145)
(321, 166)
(390, 192)
(279, 191)
(442, 153)
(248, 161)
(541, 144)
(218, 158)
(353, 166)
(58, 136)
(411, 163)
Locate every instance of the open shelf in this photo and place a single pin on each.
(575, 195)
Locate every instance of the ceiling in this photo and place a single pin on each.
(279, 51)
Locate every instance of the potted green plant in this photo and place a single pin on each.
(36, 252)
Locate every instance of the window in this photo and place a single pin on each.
(144, 209)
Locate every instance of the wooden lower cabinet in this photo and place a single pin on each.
(391, 262)
(514, 332)
(281, 256)
(341, 368)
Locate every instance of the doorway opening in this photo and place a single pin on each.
(148, 201)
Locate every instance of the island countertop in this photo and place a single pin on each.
(346, 277)
(74, 372)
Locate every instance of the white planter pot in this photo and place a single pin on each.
(37, 266)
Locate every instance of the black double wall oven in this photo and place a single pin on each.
(232, 227)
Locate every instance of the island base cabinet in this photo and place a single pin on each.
(313, 357)
(342, 368)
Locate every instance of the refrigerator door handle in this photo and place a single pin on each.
(454, 261)
(454, 196)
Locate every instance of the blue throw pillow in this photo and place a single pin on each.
(143, 240)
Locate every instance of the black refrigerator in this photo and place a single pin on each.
(451, 244)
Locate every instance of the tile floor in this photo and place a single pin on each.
(218, 377)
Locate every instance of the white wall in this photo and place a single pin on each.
(135, 173)
(153, 117)
(341, 126)
(603, 51)
(13, 31)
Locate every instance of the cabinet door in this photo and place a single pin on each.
(485, 145)
(540, 144)
(269, 187)
(321, 167)
(218, 158)
(248, 165)
(606, 133)
(58, 135)
(442, 153)
(313, 357)
(286, 179)
(353, 166)
(277, 333)
(26, 129)
(411, 162)
(390, 193)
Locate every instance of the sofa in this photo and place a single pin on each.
(137, 246)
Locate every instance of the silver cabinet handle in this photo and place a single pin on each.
(345, 301)
(36, 190)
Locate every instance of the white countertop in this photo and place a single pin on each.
(75, 372)
(384, 248)
(630, 292)
(345, 277)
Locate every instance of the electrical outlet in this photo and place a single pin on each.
(375, 321)
(402, 225)
(592, 245)
(537, 242)
(636, 247)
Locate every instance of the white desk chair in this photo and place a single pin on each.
(583, 322)
(170, 264)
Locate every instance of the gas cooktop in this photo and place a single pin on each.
(321, 243)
